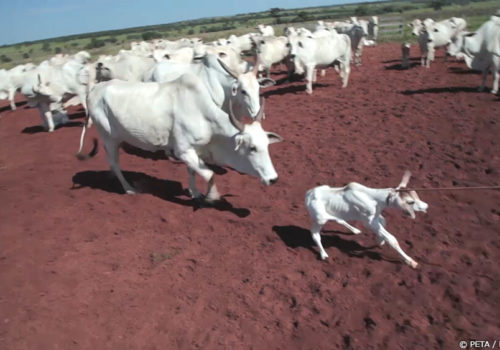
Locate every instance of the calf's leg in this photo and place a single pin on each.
(392, 241)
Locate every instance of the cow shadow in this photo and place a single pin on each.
(167, 190)
(35, 129)
(459, 70)
(453, 89)
(7, 107)
(399, 66)
(295, 236)
(293, 89)
(160, 155)
(398, 60)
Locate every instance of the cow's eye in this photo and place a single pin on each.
(253, 149)
(410, 201)
(244, 92)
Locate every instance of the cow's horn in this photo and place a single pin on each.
(261, 110)
(236, 123)
(255, 69)
(227, 69)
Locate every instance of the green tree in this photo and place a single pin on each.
(46, 46)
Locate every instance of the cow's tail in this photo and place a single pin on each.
(87, 123)
(93, 152)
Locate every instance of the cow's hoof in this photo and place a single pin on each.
(356, 231)
(309, 92)
(413, 264)
(494, 92)
(131, 192)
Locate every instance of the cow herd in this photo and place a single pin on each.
(479, 49)
(190, 99)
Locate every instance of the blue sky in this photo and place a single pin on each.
(27, 20)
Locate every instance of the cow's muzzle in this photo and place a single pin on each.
(270, 181)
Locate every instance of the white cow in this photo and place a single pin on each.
(265, 30)
(124, 66)
(309, 53)
(179, 117)
(223, 83)
(433, 35)
(355, 202)
(271, 50)
(243, 42)
(49, 86)
(181, 55)
(481, 50)
(12, 80)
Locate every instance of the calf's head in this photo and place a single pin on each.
(407, 200)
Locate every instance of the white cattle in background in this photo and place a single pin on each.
(243, 42)
(142, 46)
(373, 27)
(309, 53)
(481, 50)
(179, 118)
(270, 50)
(12, 80)
(433, 35)
(355, 202)
(223, 83)
(353, 30)
(124, 66)
(182, 55)
(265, 30)
(49, 86)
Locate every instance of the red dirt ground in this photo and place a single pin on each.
(84, 266)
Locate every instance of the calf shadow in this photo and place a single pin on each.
(168, 190)
(294, 236)
(453, 89)
(35, 129)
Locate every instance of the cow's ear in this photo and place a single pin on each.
(266, 82)
(274, 138)
(234, 89)
(239, 141)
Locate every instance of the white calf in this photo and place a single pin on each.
(360, 203)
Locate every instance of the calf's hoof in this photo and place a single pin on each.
(413, 264)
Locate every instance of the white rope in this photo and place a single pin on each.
(449, 188)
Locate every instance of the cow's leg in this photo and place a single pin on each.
(315, 76)
(12, 92)
(345, 71)
(323, 72)
(309, 79)
(377, 227)
(46, 115)
(112, 152)
(495, 80)
(316, 236)
(190, 157)
(483, 81)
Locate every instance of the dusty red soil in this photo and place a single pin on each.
(84, 266)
